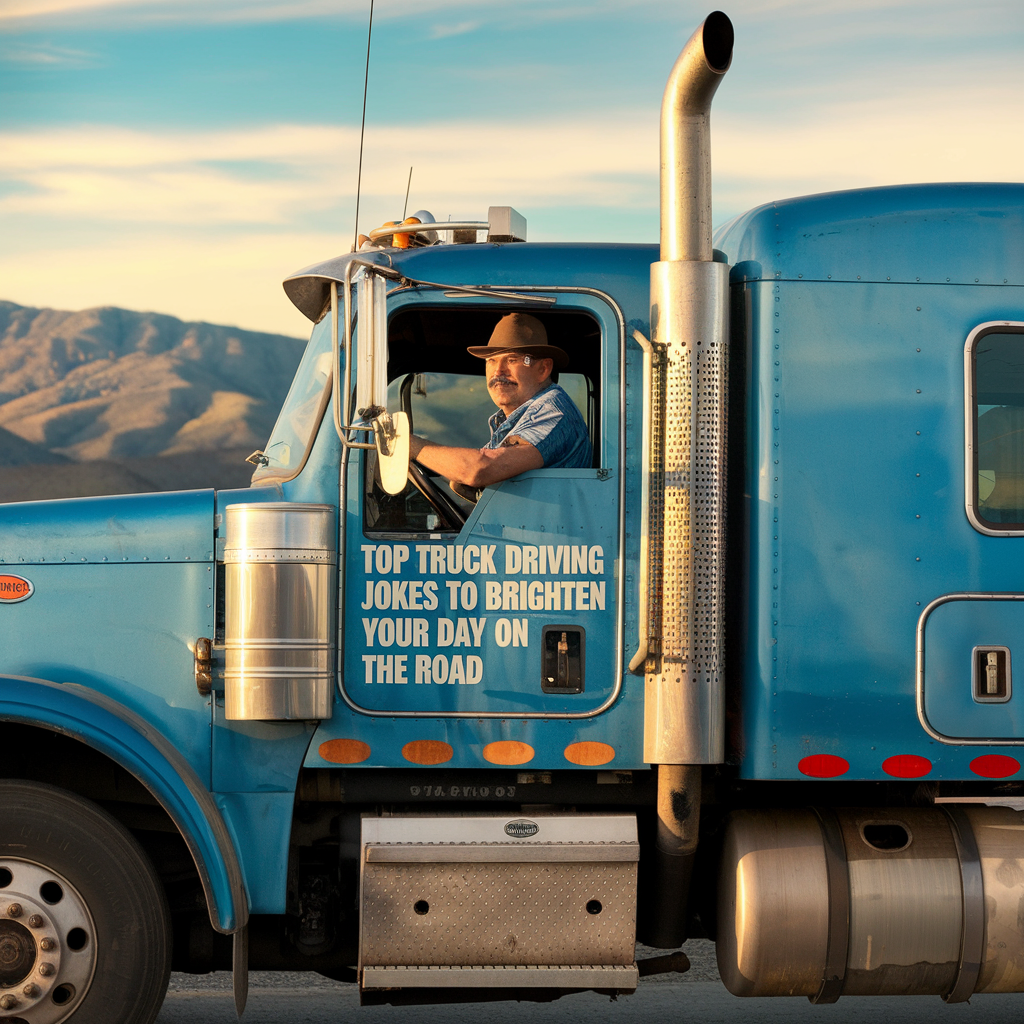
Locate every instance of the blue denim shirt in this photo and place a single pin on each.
(550, 422)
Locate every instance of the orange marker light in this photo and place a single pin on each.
(508, 752)
(589, 753)
(402, 240)
(427, 752)
(344, 751)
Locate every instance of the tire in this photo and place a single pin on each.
(84, 926)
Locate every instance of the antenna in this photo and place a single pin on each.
(362, 132)
(407, 187)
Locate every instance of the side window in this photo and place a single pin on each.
(995, 451)
(443, 389)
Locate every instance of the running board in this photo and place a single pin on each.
(620, 977)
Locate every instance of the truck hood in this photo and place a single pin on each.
(170, 526)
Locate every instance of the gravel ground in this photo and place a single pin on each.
(697, 996)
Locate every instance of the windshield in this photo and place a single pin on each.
(302, 410)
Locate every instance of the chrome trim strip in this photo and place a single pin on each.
(620, 581)
(481, 291)
(425, 226)
(919, 670)
(638, 662)
(970, 478)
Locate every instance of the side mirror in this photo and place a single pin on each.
(391, 434)
(372, 357)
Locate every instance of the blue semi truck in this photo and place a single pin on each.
(748, 677)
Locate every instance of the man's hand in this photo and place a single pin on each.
(477, 467)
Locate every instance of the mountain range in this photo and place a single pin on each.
(112, 400)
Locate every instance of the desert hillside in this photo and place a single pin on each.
(111, 400)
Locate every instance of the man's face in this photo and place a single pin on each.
(515, 377)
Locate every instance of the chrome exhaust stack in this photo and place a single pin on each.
(681, 646)
(686, 141)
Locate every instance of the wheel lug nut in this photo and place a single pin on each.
(46, 969)
(8, 1002)
(47, 944)
(31, 991)
(14, 910)
(35, 921)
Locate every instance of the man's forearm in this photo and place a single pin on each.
(472, 467)
(463, 465)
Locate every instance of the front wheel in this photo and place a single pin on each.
(84, 925)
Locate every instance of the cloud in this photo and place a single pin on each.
(444, 31)
(43, 56)
(277, 176)
(92, 11)
(187, 178)
(205, 224)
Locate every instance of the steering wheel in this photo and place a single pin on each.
(451, 515)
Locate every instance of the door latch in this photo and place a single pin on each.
(990, 674)
(563, 659)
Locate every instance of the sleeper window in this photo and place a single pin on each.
(998, 428)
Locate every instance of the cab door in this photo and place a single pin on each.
(517, 611)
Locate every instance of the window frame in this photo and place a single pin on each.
(593, 415)
(974, 516)
(263, 475)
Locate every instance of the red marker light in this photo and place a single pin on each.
(995, 766)
(824, 766)
(906, 766)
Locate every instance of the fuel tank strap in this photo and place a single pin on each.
(838, 873)
(972, 936)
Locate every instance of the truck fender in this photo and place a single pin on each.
(105, 725)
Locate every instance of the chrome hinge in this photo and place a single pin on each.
(204, 665)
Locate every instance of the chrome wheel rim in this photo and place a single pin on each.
(47, 944)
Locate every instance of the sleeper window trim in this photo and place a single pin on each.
(971, 427)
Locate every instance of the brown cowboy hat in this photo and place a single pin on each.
(520, 332)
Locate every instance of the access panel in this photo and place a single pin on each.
(969, 646)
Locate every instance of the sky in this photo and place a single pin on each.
(184, 156)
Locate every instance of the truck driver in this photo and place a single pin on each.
(537, 424)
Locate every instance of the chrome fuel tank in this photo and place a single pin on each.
(280, 563)
(891, 901)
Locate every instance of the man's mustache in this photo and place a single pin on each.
(500, 378)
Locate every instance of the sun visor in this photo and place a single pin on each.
(310, 288)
